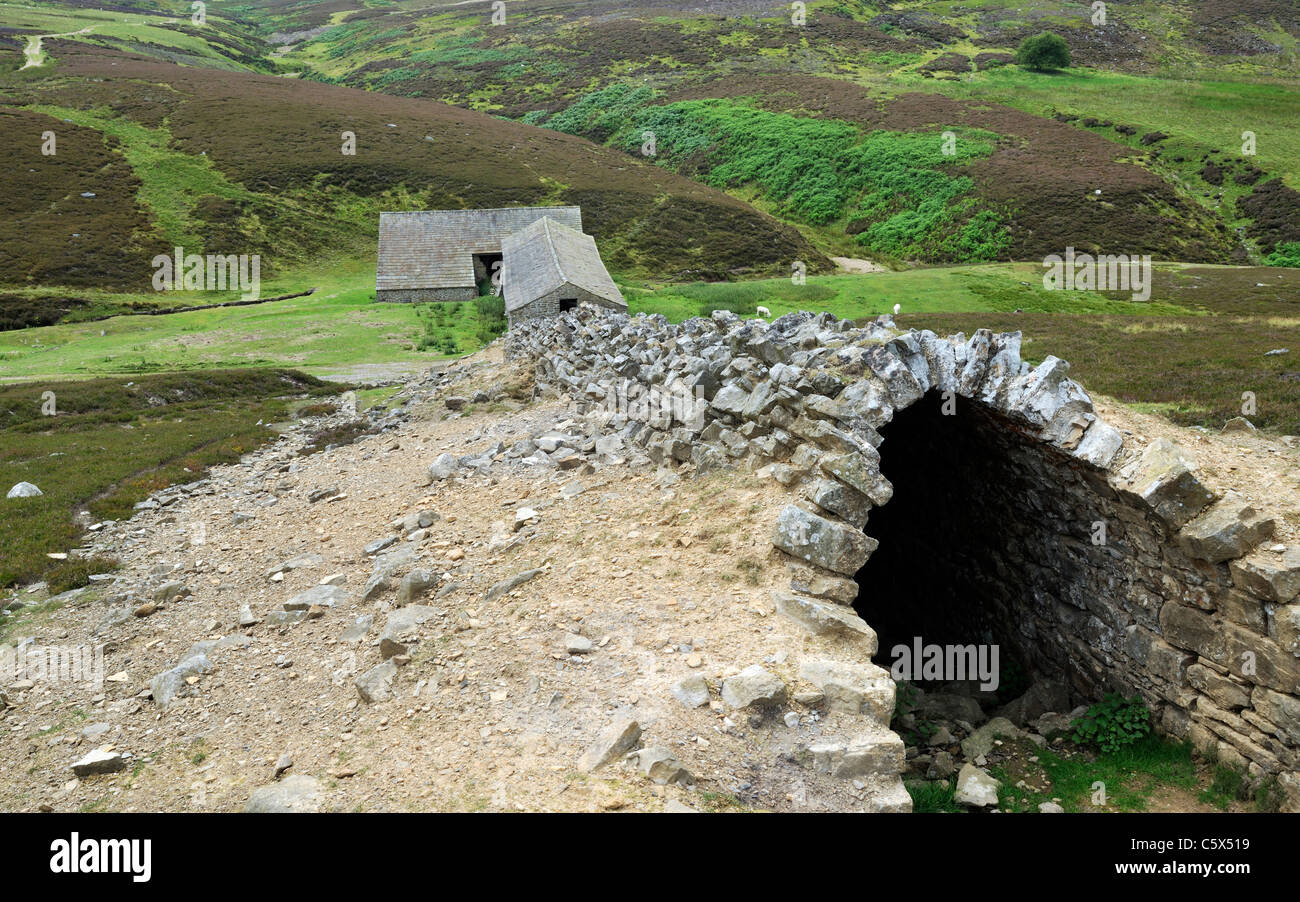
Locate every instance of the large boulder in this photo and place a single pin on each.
(880, 752)
(1163, 479)
(443, 467)
(1039, 699)
(949, 706)
(324, 596)
(1271, 576)
(298, 794)
(1228, 530)
(855, 688)
(975, 788)
(754, 687)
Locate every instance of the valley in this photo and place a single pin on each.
(893, 166)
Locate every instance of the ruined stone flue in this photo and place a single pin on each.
(1179, 604)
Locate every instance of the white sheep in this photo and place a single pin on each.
(764, 312)
(897, 308)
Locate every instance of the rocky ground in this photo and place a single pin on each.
(482, 606)
(352, 636)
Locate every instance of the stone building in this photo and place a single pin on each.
(550, 268)
(452, 255)
(445, 255)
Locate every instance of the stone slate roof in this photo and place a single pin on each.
(435, 248)
(548, 254)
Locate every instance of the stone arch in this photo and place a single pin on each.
(1180, 604)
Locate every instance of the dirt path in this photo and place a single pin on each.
(857, 265)
(33, 49)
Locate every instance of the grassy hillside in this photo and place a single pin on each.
(877, 175)
(152, 156)
(1175, 85)
(163, 30)
(111, 442)
(1136, 149)
(338, 329)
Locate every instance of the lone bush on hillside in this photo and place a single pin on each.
(1043, 52)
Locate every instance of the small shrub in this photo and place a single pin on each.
(1268, 794)
(491, 318)
(1112, 723)
(344, 434)
(1043, 52)
(316, 410)
(933, 796)
(1285, 254)
(751, 569)
(75, 573)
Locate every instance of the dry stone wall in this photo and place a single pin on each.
(425, 295)
(1186, 601)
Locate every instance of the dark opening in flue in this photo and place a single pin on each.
(968, 542)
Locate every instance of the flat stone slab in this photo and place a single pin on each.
(99, 762)
(404, 622)
(293, 795)
(836, 546)
(615, 741)
(325, 596)
(824, 618)
(855, 471)
(508, 585)
(170, 684)
(357, 631)
(376, 684)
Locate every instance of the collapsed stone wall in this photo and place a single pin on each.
(1177, 601)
